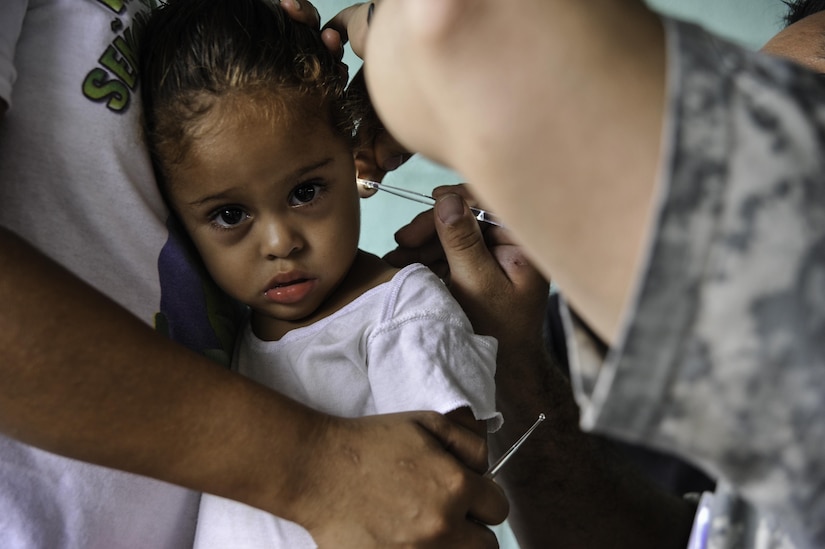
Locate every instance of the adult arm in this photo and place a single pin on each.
(565, 131)
(83, 378)
(725, 293)
(567, 488)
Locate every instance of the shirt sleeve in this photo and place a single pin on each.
(722, 355)
(11, 24)
(433, 362)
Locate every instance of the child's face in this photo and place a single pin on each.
(273, 211)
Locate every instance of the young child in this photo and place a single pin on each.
(246, 118)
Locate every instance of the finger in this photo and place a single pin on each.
(499, 236)
(339, 23)
(432, 256)
(302, 11)
(351, 24)
(332, 40)
(489, 504)
(461, 189)
(418, 243)
(465, 445)
(441, 269)
(486, 501)
(417, 232)
(473, 534)
(401, 257)
(494, 235)
(472, 267)
(430, 253)
(389, 153)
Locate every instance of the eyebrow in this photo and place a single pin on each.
(297, 174)
(211, 198)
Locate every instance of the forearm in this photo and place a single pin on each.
(580, 84)
(83, 378)
(570, 482)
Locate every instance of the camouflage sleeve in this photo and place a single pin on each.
(722, 358)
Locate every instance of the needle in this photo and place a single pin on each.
(496, 467)
(481, 215)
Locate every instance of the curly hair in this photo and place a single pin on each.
(800, 9)
(193, 53)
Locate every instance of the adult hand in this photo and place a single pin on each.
(488, 273)
(302, 11)
(305, 12)
(377, 152)
(456, 81)
(566, 488)
(394, 481)
(351, 24)
(383, 481)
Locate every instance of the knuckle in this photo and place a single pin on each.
(438, 527)
(462, 239)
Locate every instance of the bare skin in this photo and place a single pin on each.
(117, 380)
(567, 481)
(801, 42)
(602, 60)
(79, 369)
(562, 479)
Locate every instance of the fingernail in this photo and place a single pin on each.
(294, 4)
(449, 208)
(393, 162)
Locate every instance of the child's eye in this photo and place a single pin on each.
(228, 216)
(305, 193)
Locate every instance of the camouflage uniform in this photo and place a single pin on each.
(722, 355)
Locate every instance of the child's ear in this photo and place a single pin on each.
(365, 168)
(364, 191)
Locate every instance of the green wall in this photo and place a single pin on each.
(748, 22)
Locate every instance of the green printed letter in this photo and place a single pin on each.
(99, 87)
(119, 64)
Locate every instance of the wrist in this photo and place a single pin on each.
(262, 454)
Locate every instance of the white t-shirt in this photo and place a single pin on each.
(404, 345)
(76, 182)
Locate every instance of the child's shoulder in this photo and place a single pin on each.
(413, 284)
(417, 288)
(370, 270)
(367, 272)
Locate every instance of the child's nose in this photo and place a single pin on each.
(279, 239)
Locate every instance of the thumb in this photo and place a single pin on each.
(472, 267)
